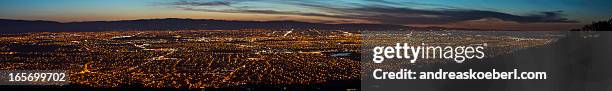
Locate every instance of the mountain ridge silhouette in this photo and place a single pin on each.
(24, 26)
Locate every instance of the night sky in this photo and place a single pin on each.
(477, 14)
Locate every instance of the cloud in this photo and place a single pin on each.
(393, 15)
(387, 13)
(257, 12)
(195, 3)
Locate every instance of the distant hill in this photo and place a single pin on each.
(597, 26)
(23, 26)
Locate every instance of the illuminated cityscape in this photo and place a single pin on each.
(190, 58)
(305, 45)
(213, 58)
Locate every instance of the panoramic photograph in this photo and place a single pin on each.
(306, 45)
